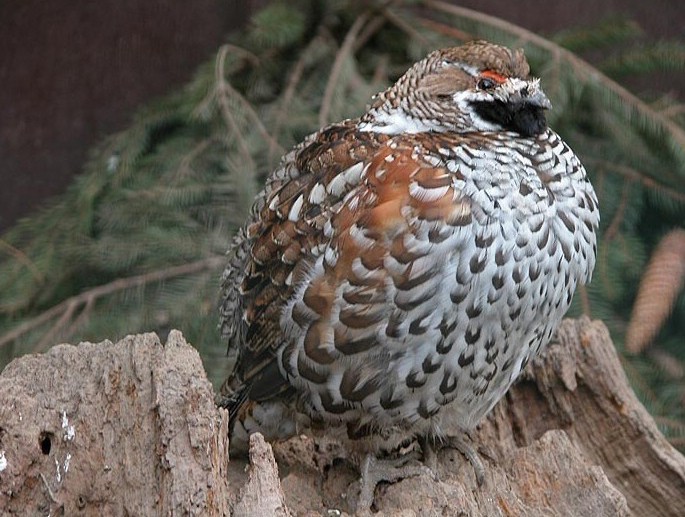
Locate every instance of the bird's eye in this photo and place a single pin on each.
(485, 83)
(488, 79)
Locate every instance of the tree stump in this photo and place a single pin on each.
(112, 429)
(131, 428)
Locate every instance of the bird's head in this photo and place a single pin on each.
(478, 86)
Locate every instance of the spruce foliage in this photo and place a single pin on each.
(137, 242)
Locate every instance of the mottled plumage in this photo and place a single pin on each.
(412, 259)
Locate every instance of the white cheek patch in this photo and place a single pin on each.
(463, 101)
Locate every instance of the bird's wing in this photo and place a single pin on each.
(386, 253)
(274, 250)
(341, 251)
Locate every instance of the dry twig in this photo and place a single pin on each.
(220, 94)
(294, 78)
(21, 257)
(343, 53)
(67, 308)
(405, 27)
(632, 174)
(613, 228)
(226, 87)
(185, 165)
(446, 30)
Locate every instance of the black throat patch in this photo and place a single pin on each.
(524, 118)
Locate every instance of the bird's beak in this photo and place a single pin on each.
(531, 93)
(538, 99)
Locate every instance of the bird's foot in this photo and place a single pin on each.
(390, 470)
(462, 444)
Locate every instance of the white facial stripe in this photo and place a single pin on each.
(471, 70)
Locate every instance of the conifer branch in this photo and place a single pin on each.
(343, 53)
(602, 267)
(250, 56)
(185, 165)
(667, 363)
(378, 22)
(446, 30)
(51, 335)
(673, 110)
(66, 309)
(249, 109)
(405, 27)
(223, 89)
(81, 319)
(21, 257)
(670, 422)
(613, 228)
(220, 92)
(294, 78)
(371, 28)
(640, 384)
(634, 175)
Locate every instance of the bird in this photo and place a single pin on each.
(400, 269)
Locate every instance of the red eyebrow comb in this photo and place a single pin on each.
(498, 78)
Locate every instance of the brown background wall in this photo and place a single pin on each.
(72, 72)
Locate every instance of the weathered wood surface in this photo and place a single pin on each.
(112, 429)
(131, 428)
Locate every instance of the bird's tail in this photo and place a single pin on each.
(232, 400)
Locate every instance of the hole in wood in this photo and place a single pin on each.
(45, 442)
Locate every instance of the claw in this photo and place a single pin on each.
(463, 445)
(374, 471)
(468, 450)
